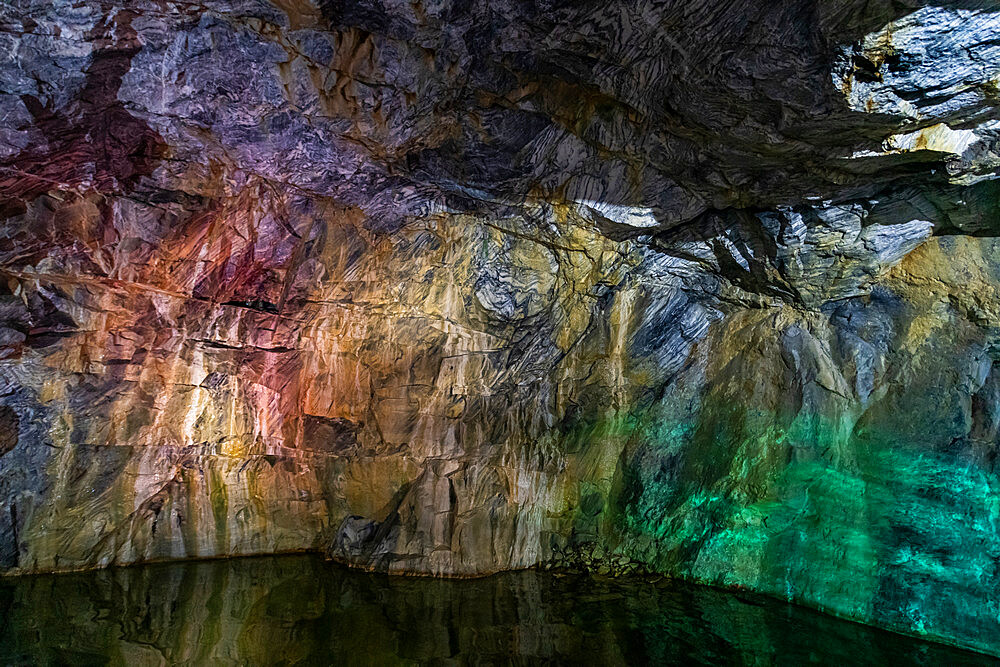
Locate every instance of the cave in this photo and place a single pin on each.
(381, 331)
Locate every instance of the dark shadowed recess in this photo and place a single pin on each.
(710, 105)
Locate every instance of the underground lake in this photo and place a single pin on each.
(304, 610)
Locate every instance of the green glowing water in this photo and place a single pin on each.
(301, 610)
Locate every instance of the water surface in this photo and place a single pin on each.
(302, 610)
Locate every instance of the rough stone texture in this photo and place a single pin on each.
(705, 288)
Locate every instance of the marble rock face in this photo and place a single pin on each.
(710, 289)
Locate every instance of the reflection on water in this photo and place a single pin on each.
(303, 610)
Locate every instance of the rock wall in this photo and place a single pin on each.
(705, 288)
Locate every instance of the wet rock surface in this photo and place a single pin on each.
(702, 288)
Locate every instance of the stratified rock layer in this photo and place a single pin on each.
(704, 288)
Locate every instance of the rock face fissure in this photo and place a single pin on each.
(705, 288)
